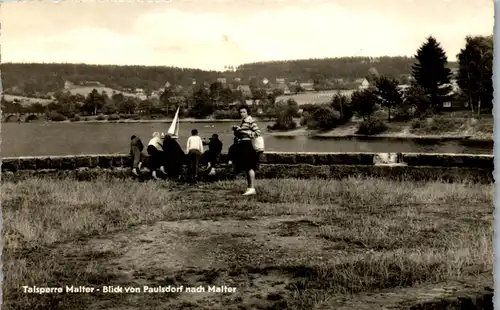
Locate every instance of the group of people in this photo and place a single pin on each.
(166, 155)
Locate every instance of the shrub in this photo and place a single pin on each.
(278, 126)
(404, 113)
(324, 118)
(417, 123)
(437, 125)
(113, 117)
(100, 117)
(371, 126)
(226, 114)
(285, 113)
(56, 116)
(75, 118)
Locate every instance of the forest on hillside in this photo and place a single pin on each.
(35, 79)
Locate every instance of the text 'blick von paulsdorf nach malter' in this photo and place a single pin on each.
(113, 289)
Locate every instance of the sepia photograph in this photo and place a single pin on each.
(247, 154)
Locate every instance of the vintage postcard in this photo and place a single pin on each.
(225, 154)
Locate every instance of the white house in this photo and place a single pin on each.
(363, 83)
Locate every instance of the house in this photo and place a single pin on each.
(280, 80)
(245, 90)
(139, 93)
(338, 81)
(237, 79)
(155, 94)
(362, 83)
(307, 86)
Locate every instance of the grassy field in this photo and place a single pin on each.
(86, 90)
(27, 100)
(299, 244)
(314, 97)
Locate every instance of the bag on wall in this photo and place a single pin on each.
(258, 144)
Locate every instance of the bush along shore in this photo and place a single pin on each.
(299, 244)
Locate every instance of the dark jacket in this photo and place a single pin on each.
(136, 142)
(136, 148)
(173, 152)
(231, 153)
(215, 146)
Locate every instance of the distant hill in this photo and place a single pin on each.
(40, 79)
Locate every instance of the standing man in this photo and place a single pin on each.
(194, 149)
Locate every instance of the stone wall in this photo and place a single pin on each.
(303, 165)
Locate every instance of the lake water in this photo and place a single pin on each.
(39, 139)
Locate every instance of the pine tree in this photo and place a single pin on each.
(431, 71)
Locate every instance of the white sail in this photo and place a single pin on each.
(174, 127)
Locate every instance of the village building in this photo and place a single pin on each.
(362, 84)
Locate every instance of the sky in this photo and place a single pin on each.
(209, 34)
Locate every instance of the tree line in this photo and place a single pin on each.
(36, 79)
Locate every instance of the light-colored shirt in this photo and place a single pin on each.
(156, 142)
(194, 143)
